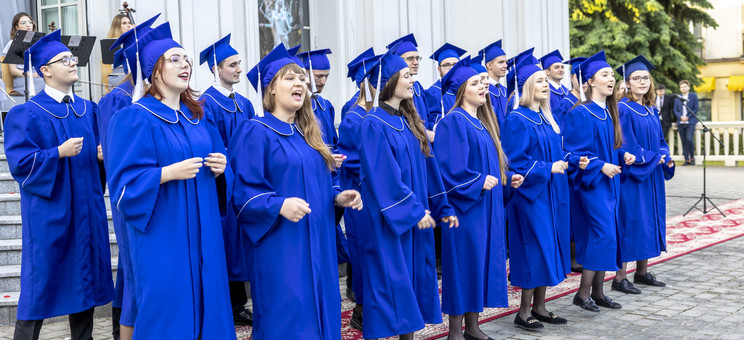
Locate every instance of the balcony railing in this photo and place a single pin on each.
(730, 133)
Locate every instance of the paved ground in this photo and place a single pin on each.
(703, 298)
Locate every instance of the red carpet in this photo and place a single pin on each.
(684, 235)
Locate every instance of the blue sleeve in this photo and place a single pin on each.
(433, 105)
(579, 139)
(135, 172)
(348, 144)
(32, 165)
(677, 108)
(226, 181)
(438, 201)
(399, 206)
(516, 142)
(254, 200)
(646, 160)
(464, 186)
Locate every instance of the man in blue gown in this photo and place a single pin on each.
(439, 104)
(552, 64)
(51, 144)
(495, 62)
(226, 109)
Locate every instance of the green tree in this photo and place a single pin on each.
(658, 29)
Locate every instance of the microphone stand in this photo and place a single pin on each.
(704, 196)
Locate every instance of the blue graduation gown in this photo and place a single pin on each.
(294, 283)
(355, 221)
(589, 132)
(349, 104)
(66, 266)
(564, 105)
(539, 220)
(557, 94)
(226, 114)
(473, 255)
(438, 104)
(398, 184)
(498, 102)
(419, 101)
(642, 226)
(175, 237)
(119, 98)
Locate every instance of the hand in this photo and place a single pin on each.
(294, 209)
(217, 162)
(452, 220)
(583, 162)
(629, 158)
(490, 182)
(349, 199)
(430, 135)
(670, 164)
(100, 153)
(610, 169)
(559, 167)
(70, 147)
(684, 119)
(185, 169)
(662, 160)
(516, 181)
(338, 159)
(426, 222)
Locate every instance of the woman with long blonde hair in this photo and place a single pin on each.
(284, 198)
(473, 167)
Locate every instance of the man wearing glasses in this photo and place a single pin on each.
(51, 145)
(446, 56)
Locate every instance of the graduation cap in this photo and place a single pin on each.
(356, 66)
(636, 64)
(516, 78)
(589, 67)
(550, 59)
(477, 64)
(216, 53)
(492, 51)
(41, 53)
(458, 75)
(293, 55)
(261, 75)
(511, 63)
(403, 45)
(146, 52)
(121, 60)
(380, 72)
(447, 51)
(315, 60)
(575, 62)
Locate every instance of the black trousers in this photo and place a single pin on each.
(238, 297)
(81, 327)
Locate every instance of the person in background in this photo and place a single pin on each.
(112, 76)
(665, 104)
(22, 22)
(552, 64)
(685, 121)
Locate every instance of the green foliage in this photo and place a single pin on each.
(658, 29)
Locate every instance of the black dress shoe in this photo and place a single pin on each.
(608, 303)
(356, 321)
(531, 324)
(244, 318)
(551, 319)
(587, 304)
(470, 337)
(648, 279)
(625, 286)
(350, 295)
(578, 269)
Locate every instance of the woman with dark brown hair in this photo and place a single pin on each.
(165, 163)
(403, 190)
(592, 130)
(22, 22)
(284, 200)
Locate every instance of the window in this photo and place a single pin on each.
(64, 14)
(283, 21)
(704, 110)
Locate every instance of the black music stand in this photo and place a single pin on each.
(22, 41)
(80, 46)
(107, 56)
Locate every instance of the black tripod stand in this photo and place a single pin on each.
(704, 196)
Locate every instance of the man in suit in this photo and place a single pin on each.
(665, 104)
(686, 121)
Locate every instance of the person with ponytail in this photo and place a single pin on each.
(592, 130)
(284, 200)
(539, 221)
(166, 164)
(403, 190)
(473, 167)
(642, 227)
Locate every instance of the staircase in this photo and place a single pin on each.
(10, 246)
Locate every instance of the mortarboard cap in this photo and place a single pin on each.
(293, 55)
(447, 51)
(458, 75)
(516, 78)
(575, 62)
(492, 51)
(149, 48)
(263, 73)
(43, 51)
(385, 67)
(316, 60)
(638, 63)
(550, 59)
(130, 37)
(524, 54)
(589, 67)
(403, 44)
(477, 64)
(357, 67)
(217, 52)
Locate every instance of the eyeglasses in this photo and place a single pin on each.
(639, 78)
(64, 60)
(26, 23)
(413, 58)
(447, 65)
(177, 60)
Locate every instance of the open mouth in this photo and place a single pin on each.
(297, 95)
(184, 76)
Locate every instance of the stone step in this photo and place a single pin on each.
(10, 250)
(9, 303)
(10, 204)
(7, 183)
(10, 276)
(4, 162)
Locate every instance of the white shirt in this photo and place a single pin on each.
(222, 89)
(58, 95)
(492, 81)
(601, 104)
(554, 84)
(684, 107)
